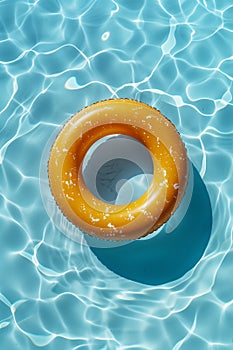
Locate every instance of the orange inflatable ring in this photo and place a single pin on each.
(101, 219)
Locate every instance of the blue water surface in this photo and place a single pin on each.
(56, 57)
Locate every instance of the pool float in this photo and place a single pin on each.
(128, 221)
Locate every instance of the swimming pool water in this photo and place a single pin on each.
(56, 57)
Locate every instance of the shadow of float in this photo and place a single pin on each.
(165, 257)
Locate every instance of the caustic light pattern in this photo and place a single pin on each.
(56, 57)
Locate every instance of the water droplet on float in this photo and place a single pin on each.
(105, 36)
